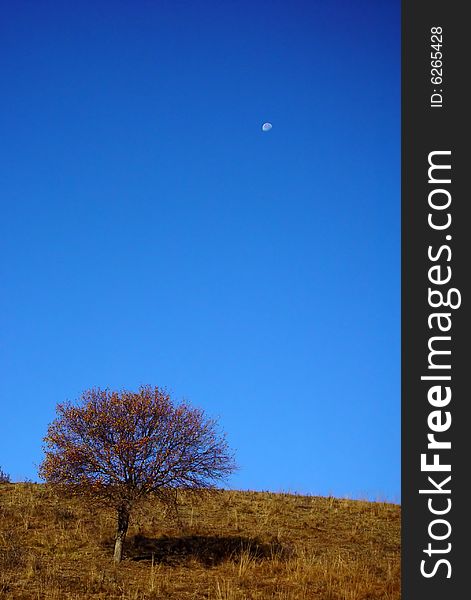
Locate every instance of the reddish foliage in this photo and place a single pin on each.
(140, 441)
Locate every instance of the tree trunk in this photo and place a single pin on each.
(121, 530)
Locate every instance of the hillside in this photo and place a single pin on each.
(232, 546)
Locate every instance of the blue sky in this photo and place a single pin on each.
(152, 233)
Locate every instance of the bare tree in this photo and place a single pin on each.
(4, 477)
(122, 446)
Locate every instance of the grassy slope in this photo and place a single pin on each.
(232, 546)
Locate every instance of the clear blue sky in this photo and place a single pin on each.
(152, 233)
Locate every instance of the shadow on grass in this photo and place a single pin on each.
(208, 550)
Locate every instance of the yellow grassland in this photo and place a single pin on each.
(229, 546)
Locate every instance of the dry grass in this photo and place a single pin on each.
(231, 546)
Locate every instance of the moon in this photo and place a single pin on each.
(266, 126)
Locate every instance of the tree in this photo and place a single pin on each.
(119, 447)
(4, 477)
